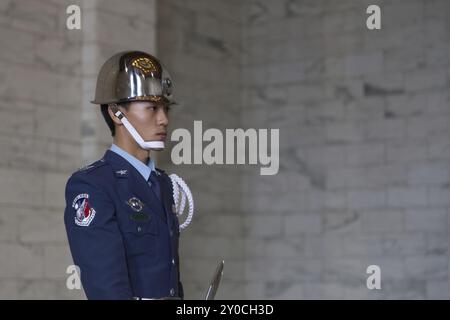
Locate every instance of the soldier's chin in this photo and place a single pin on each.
(154, 145)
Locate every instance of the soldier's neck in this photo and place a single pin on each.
(132, 148)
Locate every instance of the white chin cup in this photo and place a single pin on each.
(146, 145)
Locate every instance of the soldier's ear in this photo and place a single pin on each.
(112, 109)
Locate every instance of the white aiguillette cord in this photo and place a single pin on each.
(181, 192)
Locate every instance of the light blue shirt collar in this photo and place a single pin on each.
(144, 169)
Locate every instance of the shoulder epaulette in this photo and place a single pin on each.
(160, 171)
(92, 166)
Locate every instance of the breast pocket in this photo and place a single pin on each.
(141, 223)
(137, 218)
(141, 233)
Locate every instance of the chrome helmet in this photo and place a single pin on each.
(133, 76)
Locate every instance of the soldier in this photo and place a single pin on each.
(120, 216)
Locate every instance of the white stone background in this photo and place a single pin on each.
(364, 121)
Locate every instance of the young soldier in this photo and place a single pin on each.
(120, 216)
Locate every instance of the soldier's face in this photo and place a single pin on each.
(150, 119)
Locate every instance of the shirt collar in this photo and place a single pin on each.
(144, 169)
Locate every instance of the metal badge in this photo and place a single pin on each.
(135, 204)
(144, 64)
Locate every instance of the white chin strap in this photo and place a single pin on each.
(146, 145)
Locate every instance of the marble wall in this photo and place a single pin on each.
(364, 130)
(363, 119)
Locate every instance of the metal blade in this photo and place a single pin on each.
(215, 281)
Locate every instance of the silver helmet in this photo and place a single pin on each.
(133, 76)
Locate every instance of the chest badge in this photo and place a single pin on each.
(121, 173)
(135, 204)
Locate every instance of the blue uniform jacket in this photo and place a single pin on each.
(123, 239)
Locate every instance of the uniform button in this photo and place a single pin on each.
(173, 261)
(139, 229)
(172, 291)
(171, 233)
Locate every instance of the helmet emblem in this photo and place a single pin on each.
(144, 64)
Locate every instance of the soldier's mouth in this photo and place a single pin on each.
(161, 136)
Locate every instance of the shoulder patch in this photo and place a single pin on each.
(84, 213)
